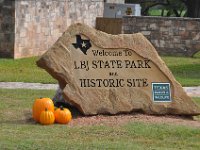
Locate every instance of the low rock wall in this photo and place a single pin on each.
(7, 28)
(170, 36)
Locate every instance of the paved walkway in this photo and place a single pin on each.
(191, 91)
(22, 85)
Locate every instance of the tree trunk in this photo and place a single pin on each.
(193, 7)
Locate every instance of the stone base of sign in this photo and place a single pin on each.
(100, 73)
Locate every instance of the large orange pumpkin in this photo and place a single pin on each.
(40, 105)
(62, 115)
(47, 117)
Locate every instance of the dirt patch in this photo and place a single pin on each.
(117, 120)
(123, 119)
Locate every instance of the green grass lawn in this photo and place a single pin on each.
(158, 12)
(19, 131)
(23, 70)
(185, 70)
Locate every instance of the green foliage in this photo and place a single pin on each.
(174, 8)
(167, 8)
(163, 12)
(19, 131)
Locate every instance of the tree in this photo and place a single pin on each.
(178, 8)
(193, 8)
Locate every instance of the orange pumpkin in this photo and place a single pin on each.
(62, 115)
(40, 105)
(47, 117)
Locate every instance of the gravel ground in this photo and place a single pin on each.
(126, 118)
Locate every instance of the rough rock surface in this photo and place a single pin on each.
(111, 74)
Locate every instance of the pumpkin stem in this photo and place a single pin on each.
(46, 109)
(61, 107)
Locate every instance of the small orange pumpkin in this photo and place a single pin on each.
(39, 105)
(62, 115)
(47, 117)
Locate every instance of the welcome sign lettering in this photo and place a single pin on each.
(110, 74)
(115, 63)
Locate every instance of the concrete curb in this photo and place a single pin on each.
(191, 91)
(22, 85)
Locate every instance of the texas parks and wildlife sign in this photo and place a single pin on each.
(161, 92)
(110, 74)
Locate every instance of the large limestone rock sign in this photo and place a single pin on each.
(101, 73)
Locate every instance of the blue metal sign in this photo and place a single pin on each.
(161, 92)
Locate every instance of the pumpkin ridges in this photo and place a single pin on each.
(62, 115)
(40, 105)
(47, 117)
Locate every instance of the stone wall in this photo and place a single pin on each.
(30, 27)
(39, 23)
(7, 26)
(170, 36)
(115, 1)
